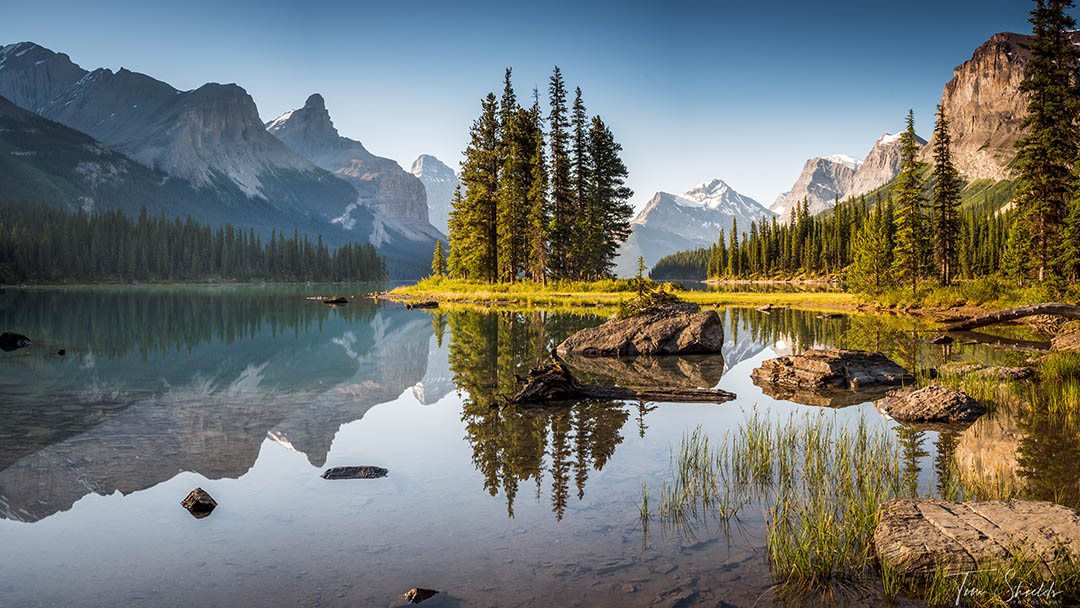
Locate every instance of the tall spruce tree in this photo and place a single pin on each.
(457, 263)
(478, 231)
(909, 248)
(946, 203)
(538, 218)
(561, 231)
(438, 261)
(518, 145)
(870, 270)
(1049, 148)
(585, 230)
(608, 197)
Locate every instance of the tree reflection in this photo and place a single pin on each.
(1047, 455)
(488, 353)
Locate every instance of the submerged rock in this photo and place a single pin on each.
(915, 537)
(933, 403)
(199, 503)
(10, 341)
(336, 301)
(831, 369)
(361, 472)
(823, 397)
(670, 329)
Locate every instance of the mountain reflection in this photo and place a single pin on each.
(164, 381)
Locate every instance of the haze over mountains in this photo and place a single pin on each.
(210, 155)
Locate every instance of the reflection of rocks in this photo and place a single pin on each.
(298, 397)
(823, 397)
(987, 451)
(702, 371)
(671, 329)
(933, 403)
(915, 537)
(831, 369)
(358, 472)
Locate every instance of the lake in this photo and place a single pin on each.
(251, 392)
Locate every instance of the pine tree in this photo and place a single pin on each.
(585, 229)
(476, 236)
(639, 278)
(1052, 141)
(561, 231)
(870, 270)
(609, 198)
(538, 200)
(946, 203)
(460, 258)
(909, 250)
(438, 261)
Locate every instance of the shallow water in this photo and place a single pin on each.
(251, 392)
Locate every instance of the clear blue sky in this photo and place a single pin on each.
(743, 91)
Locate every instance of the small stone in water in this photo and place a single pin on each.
(417, 595)
(199, 503)
(362, 472)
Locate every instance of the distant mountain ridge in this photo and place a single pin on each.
(439, 182)
(673, 222)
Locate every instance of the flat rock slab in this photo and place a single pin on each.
(831, 369)
(933, 403)
(361, 472)
(1069, 341)
(915, 536)
(988, 372)
(673, 329)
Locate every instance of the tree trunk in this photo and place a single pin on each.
(1009, 314)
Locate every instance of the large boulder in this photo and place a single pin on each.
(680, 328)
(914, 537)
(933, 403)
(820, 369)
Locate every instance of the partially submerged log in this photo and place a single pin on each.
(422, 304)
(1010, 314)
(555, 383)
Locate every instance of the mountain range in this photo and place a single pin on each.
(209, 154)
(673, 222)
(440, 181)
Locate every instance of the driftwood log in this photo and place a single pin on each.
(555, 383)
(1009, 314)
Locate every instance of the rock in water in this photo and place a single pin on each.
(417, 595)
(914, 537)
(336, 301)
(199, 503)
(10, 341)
(362, 472)
(831, 369)
(681, 328)
(933, 403)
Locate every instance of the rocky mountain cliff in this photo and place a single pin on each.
(672, 222)
(881, 165)
(439, 182)
(821, 181)
(984, 106)
(382, 184)
(211, 137)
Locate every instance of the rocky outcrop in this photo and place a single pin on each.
(821, 182)
(985, 107)
(381, 183)
(916, 537)
(880, 166)
(672, 329)
(933, 403)
(831, 369)
(439, 182)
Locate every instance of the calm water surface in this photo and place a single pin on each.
(250, 392)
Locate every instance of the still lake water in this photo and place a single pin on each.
(251, 392)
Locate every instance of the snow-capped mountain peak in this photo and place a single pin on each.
(844, 159)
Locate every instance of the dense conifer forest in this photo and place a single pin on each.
(40, 244)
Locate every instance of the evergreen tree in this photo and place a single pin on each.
(438, 261)
(909, 250)
(538, 200)
(870, 270)
(609, 198)
(1049, 148)
(946, 203)
(585, 229)
(459, 259)
(476, 236)
(561, 231)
